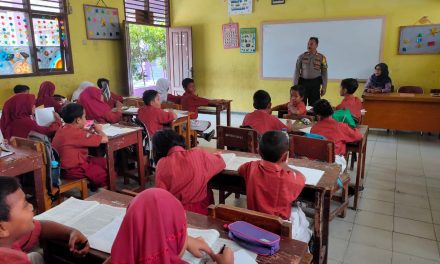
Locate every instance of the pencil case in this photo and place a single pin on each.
(254, 238)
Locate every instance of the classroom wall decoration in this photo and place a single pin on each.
(230, 36)
(420, 39)
(102, 23)
(49, 36)
(248, 40)
(239, 7)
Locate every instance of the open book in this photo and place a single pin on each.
(98, 222)
(233, 162)
(111, 130)
(212, 238)
(312, 175)
(44, 116)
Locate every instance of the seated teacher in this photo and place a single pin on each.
(380, 81)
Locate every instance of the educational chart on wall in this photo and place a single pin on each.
(420, 39)
(239, 7)
(248, 40)
(230, 36)
(102, 22)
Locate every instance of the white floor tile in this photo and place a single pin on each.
(415, 246)
(357, 253)
(415, 228)
(372, 237)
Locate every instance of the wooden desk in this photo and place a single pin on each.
(224, 106)
(320, 197)
(420, 112)
(291, 250)
(24, 161)
(122, 141)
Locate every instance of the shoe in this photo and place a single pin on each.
(209, 136)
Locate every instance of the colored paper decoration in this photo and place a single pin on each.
(230, 36)
(102, 22)
(248, 40)
(418, 39)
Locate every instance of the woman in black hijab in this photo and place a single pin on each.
(380, 81)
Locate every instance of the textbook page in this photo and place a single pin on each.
(209, 235)
(44, 116)
(233, 246)
(312, 175)
(235, 162)
(67, 210)
(242, 257)
(104, 238)
(111, 130)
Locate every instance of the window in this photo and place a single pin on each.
(148, 12)
(34, 38)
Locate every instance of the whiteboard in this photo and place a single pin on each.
(352, 46)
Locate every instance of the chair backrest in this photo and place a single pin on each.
(267, 222)
(312, 148)
(135, 102)
(410, 89)
(240, 139)
(169, 105)
(435, 91)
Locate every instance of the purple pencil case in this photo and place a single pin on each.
(254, 238)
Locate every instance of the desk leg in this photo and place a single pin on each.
(111, 168)
(218, 112)
(228, 115)
(358, 176)
(318, 227)
(39, 190)
(325, 226)
(188, 132)
(140, 160)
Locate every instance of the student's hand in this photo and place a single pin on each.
(119, 105)
(78, 244)
(323, 91)
(196, 246)
(227, 257)
(97, 127)
(289, 124)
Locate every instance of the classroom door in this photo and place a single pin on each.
(180, 57)
(127, 59)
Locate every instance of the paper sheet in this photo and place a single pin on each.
(233, 162)
(308, 108)
(132, 110)
(284, 121)
(242, 257)
(233, 246)
(112, 131)
(44, 116)
(179, 113)
(306, 130)
(209, 235)
(104, 238)
(4, 153)
(312, 175)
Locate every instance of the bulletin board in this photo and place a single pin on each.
(423, 39)
(102, 23)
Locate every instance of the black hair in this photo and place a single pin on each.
(163, 141)
(20, 88)
(149, 96)
(8, 185)
(299, 88)
(186, 82)
(71, 112)
(315, 39)
(273, 145)
(100, 81)
(261, 99)
(323, 108)
(350, 85)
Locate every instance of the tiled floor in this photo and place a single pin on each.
(398, 220)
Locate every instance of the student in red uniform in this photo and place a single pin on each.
(272, 186)
(350, 101)
(154, 231)
(296, 104)
(96, 109)
(17, 118)
(185, 173)
(19, 88)
(19, 233)
(72, 142)
(191, 102)
(261, 120)
(46, 97)
(153, 117)
(338, 132)
(113, 100)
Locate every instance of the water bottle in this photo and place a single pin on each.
(55, 172)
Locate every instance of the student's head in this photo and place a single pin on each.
(163, 141)
(381, 69)
(312, 45)
(20, 88)
(323, 109)
(151, 97)
(262, 100)
(74, 114)
(189, 85)
(297, 93)
(348, 86)
(101, 82)
(274, 146)
(16, 214)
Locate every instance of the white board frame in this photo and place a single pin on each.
(261, 39)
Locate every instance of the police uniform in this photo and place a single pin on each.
(311, 72)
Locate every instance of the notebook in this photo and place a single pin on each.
(111, 130)
(313, 176)
(44, 116)
(233, 162)
(132, 110)
(306, 130)
(284, 121)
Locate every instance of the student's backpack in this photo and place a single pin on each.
(146, 140)
(344, 116)
(52, 163)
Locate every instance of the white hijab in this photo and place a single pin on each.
(162, 87)
(80, 89)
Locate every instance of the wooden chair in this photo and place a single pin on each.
(134, 102)
(322, 150)
(410, 89)
(170, 105)
(66, 185)
(239, 139)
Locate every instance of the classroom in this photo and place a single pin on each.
(219, 131)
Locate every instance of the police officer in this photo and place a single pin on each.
(311, 72)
